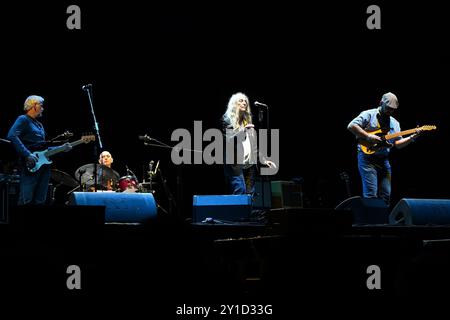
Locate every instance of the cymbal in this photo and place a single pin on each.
(103, 174)
(63, 178)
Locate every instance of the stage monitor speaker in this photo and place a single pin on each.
(421, 212)
(233, 208)
(366, 210)
(119, 207)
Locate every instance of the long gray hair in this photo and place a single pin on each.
(232, 112)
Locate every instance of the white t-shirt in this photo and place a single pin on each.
(247, 151)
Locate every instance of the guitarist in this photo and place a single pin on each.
(27, 135)
(375, 169)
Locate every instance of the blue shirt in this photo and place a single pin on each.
(27, 135)
(368, 121)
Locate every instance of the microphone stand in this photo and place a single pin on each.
(88, 89)
(62, 135)
(164, 181)
(260, 116)
(263, 179)
(171, 201)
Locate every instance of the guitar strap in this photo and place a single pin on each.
(384, 122)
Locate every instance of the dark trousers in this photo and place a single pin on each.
(34, 186)
(241, 183)
(376, 176)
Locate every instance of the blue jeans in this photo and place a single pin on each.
(376, 176)
(34, 186)
(244, 183)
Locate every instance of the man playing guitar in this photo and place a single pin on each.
(27, 135)
(373, 149)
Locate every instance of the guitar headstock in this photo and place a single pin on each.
(88, 138)
(426, 128)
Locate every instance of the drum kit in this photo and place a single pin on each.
(63, 178)
(108, 180)
(128, 184)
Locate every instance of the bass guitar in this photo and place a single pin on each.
(43, 156)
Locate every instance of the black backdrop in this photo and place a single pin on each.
(158, 67)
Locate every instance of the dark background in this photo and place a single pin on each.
(156, 68)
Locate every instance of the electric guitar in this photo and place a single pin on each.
(369, 147)
(43, 156)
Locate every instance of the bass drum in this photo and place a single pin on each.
(128, 184)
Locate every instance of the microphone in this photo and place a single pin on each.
(86, 86)
(260, 104)
(67, 134)
(145, 138)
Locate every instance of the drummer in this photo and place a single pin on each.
(107, 181)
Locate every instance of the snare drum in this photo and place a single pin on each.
(128, 184)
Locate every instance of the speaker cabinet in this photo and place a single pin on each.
(366, 210)
(421, 212)
(9, 193)
(262, 198)
(4, 203)
(286, 194)
(120, 207)
(233, 208)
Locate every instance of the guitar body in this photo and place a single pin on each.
(42, 159)
(370, 148)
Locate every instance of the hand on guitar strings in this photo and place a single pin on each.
(373, 138)
(31, 161)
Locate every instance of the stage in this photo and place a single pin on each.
(316, 254)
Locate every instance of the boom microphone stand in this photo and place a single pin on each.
(261, 107)
(149, 141)
(88, 89)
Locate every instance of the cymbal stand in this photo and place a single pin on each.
(53, 191)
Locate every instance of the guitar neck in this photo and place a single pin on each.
(59, 149)
(397, 134)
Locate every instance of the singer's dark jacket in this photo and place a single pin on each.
(230, 136)
(27, 135)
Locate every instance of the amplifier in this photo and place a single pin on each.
(286, 194)
(263, 194)
(9, 193)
